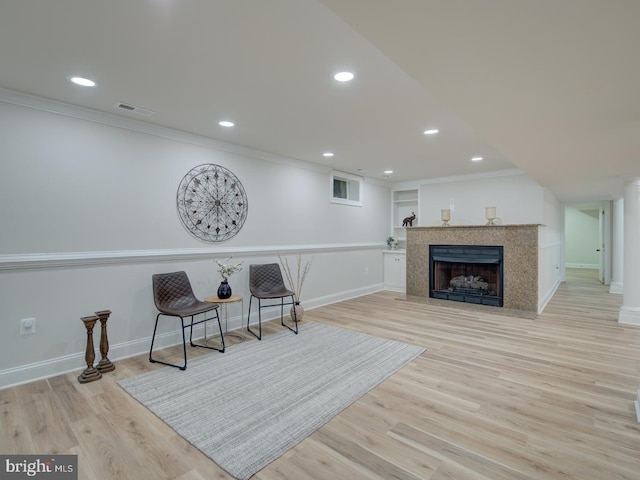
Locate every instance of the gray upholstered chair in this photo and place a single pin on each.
(174, 297)
(266, 283)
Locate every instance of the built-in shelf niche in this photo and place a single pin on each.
(405, 202)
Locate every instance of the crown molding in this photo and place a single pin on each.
(510, 172)
(113, 120)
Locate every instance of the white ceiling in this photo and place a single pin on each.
(547, 86)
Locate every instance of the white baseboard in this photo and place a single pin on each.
(616, 287)
(589, 266)
(76, 362)
(629, 315)
(543, 302)
(392, 288)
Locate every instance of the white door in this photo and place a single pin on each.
(604, 242)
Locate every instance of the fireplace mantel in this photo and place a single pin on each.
(520, 243)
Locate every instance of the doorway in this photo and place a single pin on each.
(587, 239)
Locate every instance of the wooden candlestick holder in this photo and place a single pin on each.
(91, 374)
(104, 365)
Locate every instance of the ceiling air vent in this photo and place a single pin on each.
(134, 109)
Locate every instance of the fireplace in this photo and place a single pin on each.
(519, 272)
(466, 273)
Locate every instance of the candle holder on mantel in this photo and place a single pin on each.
(445, 215)
(490, 213)
(91, 374)
(104, 365)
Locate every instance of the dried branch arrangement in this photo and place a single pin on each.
(301, 274)
(226, 268)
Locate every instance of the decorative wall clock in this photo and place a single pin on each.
(212, 203)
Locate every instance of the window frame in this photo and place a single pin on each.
(353, 185)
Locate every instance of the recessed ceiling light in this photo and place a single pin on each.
(431, 131)
(388, 172)
(327, 154)
(226, 123)
(83, 82)
(476, 159)
(343, 76)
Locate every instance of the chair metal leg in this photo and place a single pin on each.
(184, 346)
(184, 341)
(153, 338)
(282, 311)
(295, 316)
(282, 322)
(221, 349)
(259, 337)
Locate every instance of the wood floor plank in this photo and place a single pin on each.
(494, 396)
(15, 436)
(319, 461)
(404, 457)
(450, 450)
(101, 444)
(370, 462)
(454, 471)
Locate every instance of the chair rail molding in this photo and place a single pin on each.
(36, 261)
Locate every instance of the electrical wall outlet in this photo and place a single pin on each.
(27, 326)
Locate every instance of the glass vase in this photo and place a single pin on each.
(299, 312)
(224, 290)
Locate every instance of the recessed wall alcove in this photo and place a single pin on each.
(520, 258)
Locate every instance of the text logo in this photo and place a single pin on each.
(46, 467)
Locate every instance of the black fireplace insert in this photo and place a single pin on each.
(466, 273)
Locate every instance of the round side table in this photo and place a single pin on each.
(225, 302)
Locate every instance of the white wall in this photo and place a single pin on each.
(517, 198)
(550, 250)
(88, 214)
(70, 185)
(617, 247)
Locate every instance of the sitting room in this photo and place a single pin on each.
(319, 239)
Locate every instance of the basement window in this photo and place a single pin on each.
(346, 189)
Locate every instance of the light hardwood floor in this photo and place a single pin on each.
(493, 397)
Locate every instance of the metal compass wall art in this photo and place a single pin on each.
(212, 203)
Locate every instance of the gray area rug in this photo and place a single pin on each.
(246, 407)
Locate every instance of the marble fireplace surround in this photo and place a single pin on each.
(520, 262)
